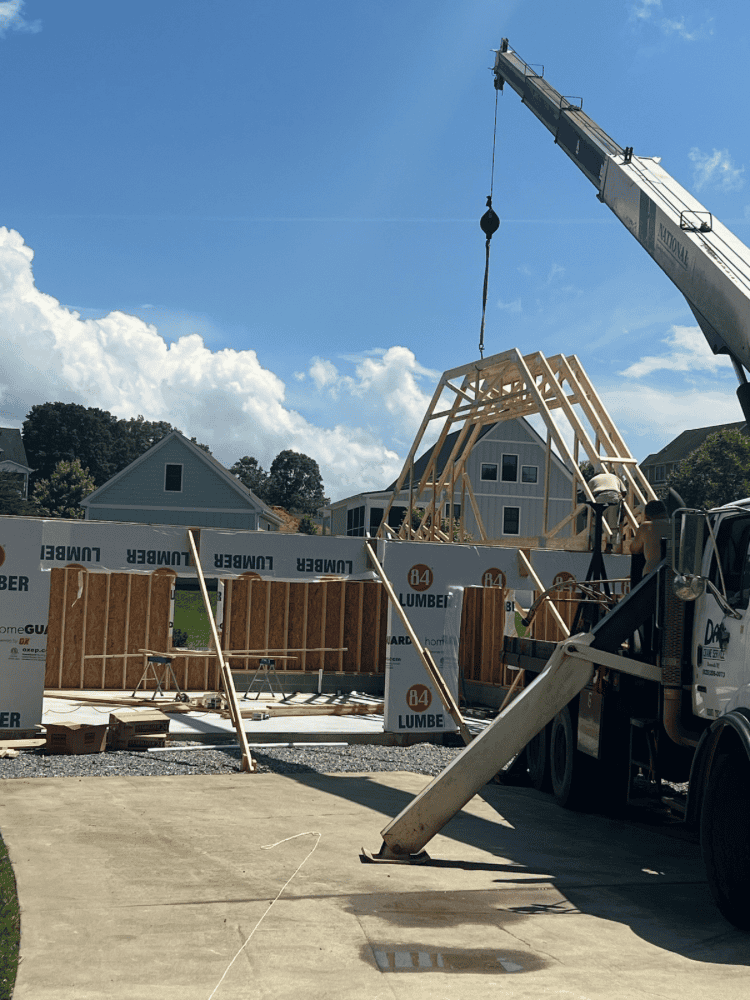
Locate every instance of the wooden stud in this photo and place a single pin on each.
(84, 624)
(127, 632)
(106, 628)
(306, 598)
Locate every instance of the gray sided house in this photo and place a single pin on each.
(176, 482)
(506, 469)
(13, 456)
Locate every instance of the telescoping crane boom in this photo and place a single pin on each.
(664, 676)
(708, 264)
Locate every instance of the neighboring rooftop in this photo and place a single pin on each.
(660, 464)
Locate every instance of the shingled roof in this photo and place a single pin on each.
(11, 446)
(686, 443)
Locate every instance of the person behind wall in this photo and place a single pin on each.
(648, 538)
(607, 488)
(645, 555)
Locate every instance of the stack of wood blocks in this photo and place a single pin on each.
(137, 730)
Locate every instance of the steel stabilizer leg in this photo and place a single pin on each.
(386, 856)
(405, 837)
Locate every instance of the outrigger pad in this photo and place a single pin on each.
(385, 856)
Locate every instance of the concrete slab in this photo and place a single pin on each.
(202, 725)
(252, 886)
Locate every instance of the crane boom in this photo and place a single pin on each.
(709, 265)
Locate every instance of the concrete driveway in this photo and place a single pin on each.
(252, 886)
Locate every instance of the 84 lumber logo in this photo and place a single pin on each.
(419, 699)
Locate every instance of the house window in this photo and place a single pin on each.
(355, 521)
(529, 473)
(511, 520)
(376, 519)
(510, 468)
(453, 511)
(173, 478)
(396, 517)
(659, 474)
(489, 472)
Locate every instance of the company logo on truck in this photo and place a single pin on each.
(673, 246)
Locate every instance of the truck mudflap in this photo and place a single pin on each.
(564, 676)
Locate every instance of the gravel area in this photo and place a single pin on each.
(422, 758)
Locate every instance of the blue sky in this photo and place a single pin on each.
(259, 220)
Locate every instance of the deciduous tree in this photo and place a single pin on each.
(54, 432)
(295, 483)
(715, 473)
(252, 475)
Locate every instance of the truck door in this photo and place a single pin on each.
(719, 641)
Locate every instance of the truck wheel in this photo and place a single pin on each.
(570, 769)
(538, 762)
(725, 837)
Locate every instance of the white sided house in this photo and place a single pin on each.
(507, 469)
(176, 482)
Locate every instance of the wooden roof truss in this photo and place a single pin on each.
(505, 387)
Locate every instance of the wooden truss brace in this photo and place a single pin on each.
(505, 387)
(248, 764)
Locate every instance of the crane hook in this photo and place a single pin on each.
(489, 223)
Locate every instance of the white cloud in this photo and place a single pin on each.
(11, 18)
(512, 307)
(716, 168)
(662, 414)
(643, 10)
(384, 390)
(226, 398)
(323, 372)
(688, 352)
(648, 10)
(556, 271)
(672, 26)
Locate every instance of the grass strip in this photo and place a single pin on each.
(10, 926)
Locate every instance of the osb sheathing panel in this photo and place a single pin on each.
(314, 639)
(374, 627)
(481, 641)
(92, 614)
(297, 625)
(545, 625)
(334, 619)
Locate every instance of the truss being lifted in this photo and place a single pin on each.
(505, 387)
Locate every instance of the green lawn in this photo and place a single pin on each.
(190, 616)
(10, 926)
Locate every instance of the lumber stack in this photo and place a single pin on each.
(137, 730)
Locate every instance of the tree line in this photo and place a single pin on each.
(74, 450)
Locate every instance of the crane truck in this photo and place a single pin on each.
(605, 714)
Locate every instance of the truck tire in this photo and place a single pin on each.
(571, 772)
(725, 836)
(538, 761)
